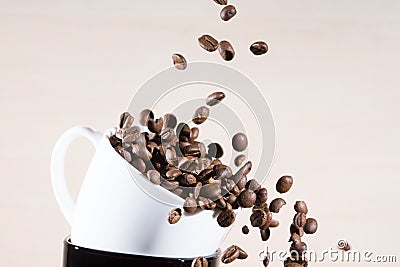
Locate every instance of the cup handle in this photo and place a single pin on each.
(63, 197)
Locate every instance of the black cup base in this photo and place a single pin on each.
(75, 256)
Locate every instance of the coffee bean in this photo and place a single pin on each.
(247, 198)
(190, 205)
(311, 226)
(179, 61)
(221, 203)
(239, 142)
(208, 43)
(266, 259)
(200, 115)
(222, 171)
(227, 13)
(263, 207)
(139, 164)
(194, 133)
(174, 216)
(239, 160)
(154, 177)
(226, 218)
(226, 51)
(141, 151)
(170, 155)
(221, 2)
(114, 141)
(192, 150)
(170, 120)
(299, 219)
(258, 218)
(215, 150)
(183, 130)
(126, 120)
(144, 116)
(301, 206)
(197, 190)
(206, 204)
(274, 223)
(241, 184)
(262, 196)
(253, 185)
(284, 184)
(215, 98)
(265, 234)
(155, 126)
(167, 135)
(245, 230)
(200, 262)
(230, 254)
(276, 205)
(212, 191)
(295, 229)
(127, 156)
(242, 254)
(268, 220)
(187, 179)
(300, 247)
(170, 185)
(245, 169)
(133, 131)
(231, 199)
(259, 48)
(295, 238)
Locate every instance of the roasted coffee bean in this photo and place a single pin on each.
(253, 185)
(167, 135)
(155, 126)
(263, 207)
(154, 177)
(187, 179)
(206, 204)
(266, 259)
(241, 184)
(174, 216)
(247, 198)
(190, 205)
(114, 141)
(301, 206)
(300, 247)
(170, 185)
(226, 51)
(299, 219)
(268, 221)
(208, 43)
(295, 238)
(239, 160)
(222, 171)
(194, 133)
(311, 226)
(221, 2)
(221, 203)
(183, 130)
(226, 218)
(179, 192)
(259, 48)
(170, 121)
(126, 120)
(265, 234)
(258, 218)
(215, 98)
(245, 230)
(276, 204)
(227, 13)
(231, 199)
(141, 151)
(192, 150)
(139, 164)
(206, 174)
(242, 254)
(239, 142)
(197, 190)
(200, 262)
(215, 162)
(230, 254)
(215, 150)
(170, 155)
(295, 229)
(284, 184)
(179, 61)
(134, 130)
(144, 116)
(212, 191)
(262, 196)
(274, 223)
(200, 115)
(172, 174)
(127, 156)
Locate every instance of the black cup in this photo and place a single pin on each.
(75, 256)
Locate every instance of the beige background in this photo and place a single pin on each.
(331, 78)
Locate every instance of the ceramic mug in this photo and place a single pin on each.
(116, 209)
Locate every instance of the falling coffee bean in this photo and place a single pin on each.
(126, 120)
(295, 229)
(194, 133)
(259, 48)
(215, 98)
(155, 126)
(200, 115)
(274, 223)
(247, 198)
(239, 160)
(300, 247)
(174, 216)
(241, 184)
(226, 50)
(228, 12)
(276, 205)
(242, 254)
(200, 262)
(265, 234)
(295, 238)
(258, 218)
(301, 206)
(262, 196)
(206, 204)
(299, 219)
(230, 254)
(154, 177)
(311, 226)
(179, 61)
(239, 142)
(284, 184)
(253, 185)
(190, 205)
(215, 150)
(226, 218)
(144, 116)
(245, 230)
(208, 43)
(221, 2)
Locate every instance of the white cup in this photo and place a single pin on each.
(116, 211)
